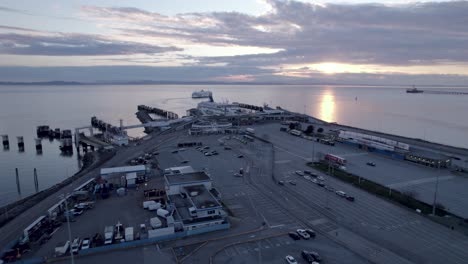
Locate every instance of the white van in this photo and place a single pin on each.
(75, 246)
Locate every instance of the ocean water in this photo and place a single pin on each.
(438, 118)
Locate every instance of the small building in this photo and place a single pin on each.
(176, 182)
(194, 200)
(118, 175)
(181, 169)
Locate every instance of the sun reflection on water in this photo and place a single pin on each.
(327, 107)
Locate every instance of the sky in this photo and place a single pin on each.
(347, 42)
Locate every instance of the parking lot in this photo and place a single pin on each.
(126, 209)
(401, 175)
(382, 225)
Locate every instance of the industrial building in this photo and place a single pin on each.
(127, 176)
(195, 200)
(373, 143)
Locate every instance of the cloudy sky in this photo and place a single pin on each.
(389, 42)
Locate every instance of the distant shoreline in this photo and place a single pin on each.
(73, 83)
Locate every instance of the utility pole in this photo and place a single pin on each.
(313, 151)
(69, 229)
(436, 187)
(326, 191)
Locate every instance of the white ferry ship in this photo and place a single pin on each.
(201, 94)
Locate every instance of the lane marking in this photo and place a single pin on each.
(282, 161)
(276, 226)
(292, 153)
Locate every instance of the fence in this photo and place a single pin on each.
(144, 242)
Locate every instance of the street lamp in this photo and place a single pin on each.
(436, 188)
(68, 225)
(326, 191)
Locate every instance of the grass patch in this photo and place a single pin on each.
(404, 198)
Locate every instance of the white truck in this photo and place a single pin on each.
(62, 249)
(155, 222)
(162, 213)
(108, 235)
(154, 206)
(129, 234)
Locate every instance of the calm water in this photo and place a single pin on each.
(439, 118)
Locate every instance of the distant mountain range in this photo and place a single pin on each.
(133, 83)
(149, 82)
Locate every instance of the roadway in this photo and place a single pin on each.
(401, 175)
(250, 206)
(387, 225)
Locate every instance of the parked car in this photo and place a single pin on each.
(292, 182)
(290, 259)
(308, 257)
(184, 161)
(294, 236)
(79, 206)
(311, 256)
(303, 233)
(369, 163)
(329, 188)
(86, 243)
(316, 256)
(175, 151)
(281, 182)
(240, 156)
(308, 172)
(307, 177)
(341, 193)
(227, 148)
(321, 184)
(208, 154)
(311, 233)
(315, 181)
(300, 173)
(320, 178)
(350, 198)
(214, 152)
(75, 246)
(76, 211)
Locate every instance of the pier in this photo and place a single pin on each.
(157, 111)
(414, 90)
(445, 92)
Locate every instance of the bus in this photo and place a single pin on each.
(336, 159)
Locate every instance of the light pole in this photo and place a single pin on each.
(436, 187)
(313, 152)
(326, 191)
(68, 225)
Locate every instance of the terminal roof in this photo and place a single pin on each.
(125, 169)
(192, 177)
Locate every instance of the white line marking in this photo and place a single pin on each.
(275, 226)
(282, 161)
